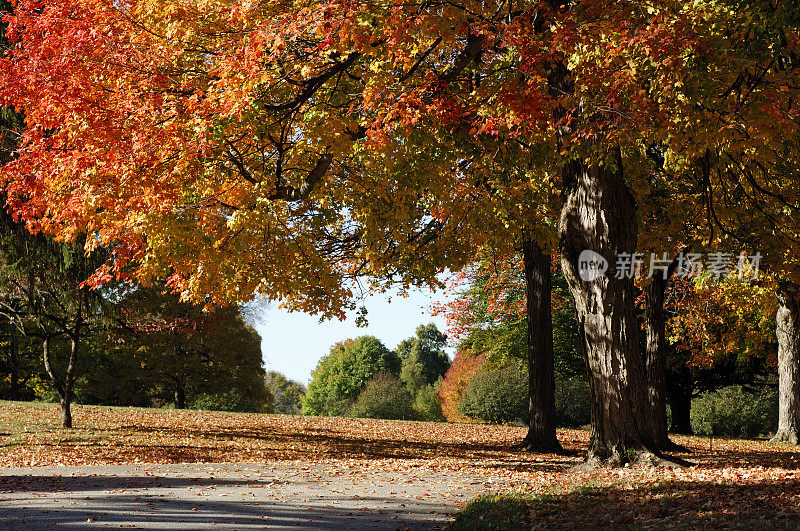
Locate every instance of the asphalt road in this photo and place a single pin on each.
(285, 494)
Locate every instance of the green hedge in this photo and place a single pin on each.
(384, 397)
(735, 412)
(572, 402)
(501, 396)
(497, 396)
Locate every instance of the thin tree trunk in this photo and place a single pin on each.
(599, 215)
(679, 391)
(656, 354)
(69, 380)
(64, 389)
(13, 364)
(66, 413)
(541, 435)
(788, 332)
(656, 359)
(180, 394)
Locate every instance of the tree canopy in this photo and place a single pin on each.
(234, 148)
(423, 360)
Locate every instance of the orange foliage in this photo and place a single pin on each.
(239, 147)
(461, 372)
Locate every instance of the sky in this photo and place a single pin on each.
(293, 343)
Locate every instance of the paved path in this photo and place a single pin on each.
(288, 494)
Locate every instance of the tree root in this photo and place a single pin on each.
(645, 458)
(789, 436)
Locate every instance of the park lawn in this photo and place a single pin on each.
(732, 482)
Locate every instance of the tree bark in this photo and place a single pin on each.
(69, 380)
(679, 391)
(599, 215)
(66, 413)
(541, 435)
(656, 354)
(788, 332)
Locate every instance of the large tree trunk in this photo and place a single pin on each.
(63, 388)
(599, 215)
(679, 391)
(541, 435)
(788, 332)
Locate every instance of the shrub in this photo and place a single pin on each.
(501, 395)
(573, 409)
(426, 403)
(461, 372)
(384, 397)
(735, 412)
(229, 401)
(497, 396)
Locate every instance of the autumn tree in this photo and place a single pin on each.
(745, 96)
(268, 142)
(492, 316)
(11, 123)
(463, 369)
(768, 229)
(10, 127)
(331, 233)
(188, 351)
(748, 172)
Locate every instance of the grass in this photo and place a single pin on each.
(674, 505)
(495, 511)
(737, 483)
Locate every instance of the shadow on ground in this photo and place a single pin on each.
(195, 496)
(670, 505)
(139, 512)
(20, 483)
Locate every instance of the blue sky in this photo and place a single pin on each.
(293, 343)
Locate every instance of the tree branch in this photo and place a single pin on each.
(291, 193)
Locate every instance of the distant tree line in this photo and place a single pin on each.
(127, 346)
(363, 378)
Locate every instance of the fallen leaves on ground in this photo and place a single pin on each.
(730, 481)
